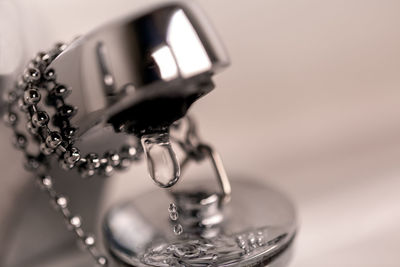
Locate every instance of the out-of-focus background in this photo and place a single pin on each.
(310, 105)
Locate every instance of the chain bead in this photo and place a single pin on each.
(50, 75)
(61, 201)
(92, 161)
(125, 163)
(53, 140)
(43, 59)
(60, 91)
(45, 149)
(86, 173)
(21, 105)
(64, 165)
(102, 261)
(113, 158)
(21, 84)
(106, 170)
(10, 119)
(60, 47)
(20, 141)
(32, 96)
(129, 152)
(45, 182)
(69, 132)
(12, 97)
(75, 221)
(31, 75)
(89, 240)
(31, 128)
(40, 119)
(31, 163)
(72, 156)
(67, 111)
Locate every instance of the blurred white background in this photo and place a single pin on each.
(311, 105)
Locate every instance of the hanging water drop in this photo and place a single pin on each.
(162, 162)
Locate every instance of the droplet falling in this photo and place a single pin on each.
(162, 162)
(178, 229)
(173, 212)
(174, 216)
(172, 207)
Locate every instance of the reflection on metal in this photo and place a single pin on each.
(166, 63)
(184, 133)
(255, 229)
(186, 45)
(105, 69)
(219, 168)
(167, 54)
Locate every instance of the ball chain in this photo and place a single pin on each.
(27, 95)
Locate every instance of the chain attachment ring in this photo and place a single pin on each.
(196, 150)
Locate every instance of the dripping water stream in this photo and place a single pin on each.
(163, 167)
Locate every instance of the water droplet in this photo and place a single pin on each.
(174, 215)
(162, 162)
(178, 229)
(172, 207)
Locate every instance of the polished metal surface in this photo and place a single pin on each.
(143, 71)
(256, 228)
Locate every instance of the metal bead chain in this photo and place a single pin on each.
(74, 221)
(27, 95)
(36, 78)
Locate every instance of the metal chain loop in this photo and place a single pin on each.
(36, 89)
(197, 150)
